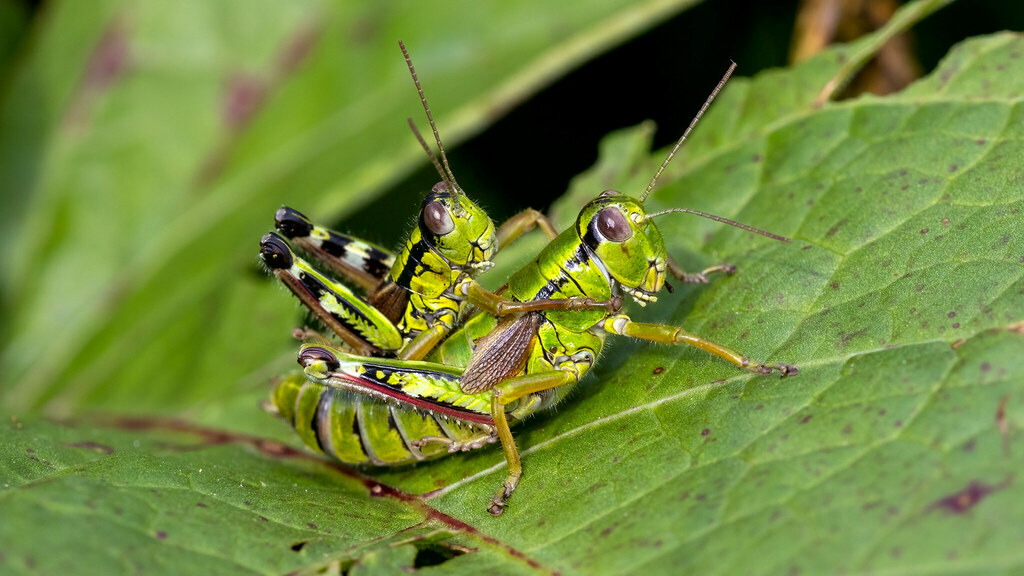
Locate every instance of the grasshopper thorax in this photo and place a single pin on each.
(618, 233)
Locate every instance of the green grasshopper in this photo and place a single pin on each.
(415, 299)
(493, 372)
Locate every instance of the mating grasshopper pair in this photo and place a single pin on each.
(416, 383)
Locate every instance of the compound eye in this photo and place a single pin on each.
(437, 219)
(612, 225)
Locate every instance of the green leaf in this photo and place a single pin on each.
(895, 450)
(147, 145)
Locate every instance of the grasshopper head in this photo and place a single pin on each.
(616, 230)
(458, 229)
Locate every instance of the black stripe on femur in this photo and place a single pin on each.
(336, 246)
(374, 265)
(316, 287)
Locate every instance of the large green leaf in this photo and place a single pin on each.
(147, 145)
(895, 450)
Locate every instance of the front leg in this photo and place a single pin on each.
(623, 325)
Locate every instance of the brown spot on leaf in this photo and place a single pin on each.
(985, 367)
(705, 432)
(962, 501)
(807, 419)
(846, 338)
(298, 546)
(94, 446)
(952, 167)
(161, 535)
(835, 228)
(924, 230)
(311, 526)
(658, 370)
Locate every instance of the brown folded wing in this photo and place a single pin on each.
(501, 354)
(391, 299)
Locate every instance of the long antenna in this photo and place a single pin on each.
(430, 117)
(722, 220)
(682, 139)
(430, 153)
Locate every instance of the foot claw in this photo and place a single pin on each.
(496, 508)
(783, 369)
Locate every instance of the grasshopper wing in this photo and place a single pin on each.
(501, 354)
(391, 299)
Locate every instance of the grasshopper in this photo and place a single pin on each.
(417, 297)
(493, 372)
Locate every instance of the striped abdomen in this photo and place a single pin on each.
(358, 429)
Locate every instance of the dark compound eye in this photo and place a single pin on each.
(437, 219)
(612, 224)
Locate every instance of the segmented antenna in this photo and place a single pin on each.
(682, 139)
(430, 118)
(722, 220)
(430, 153)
